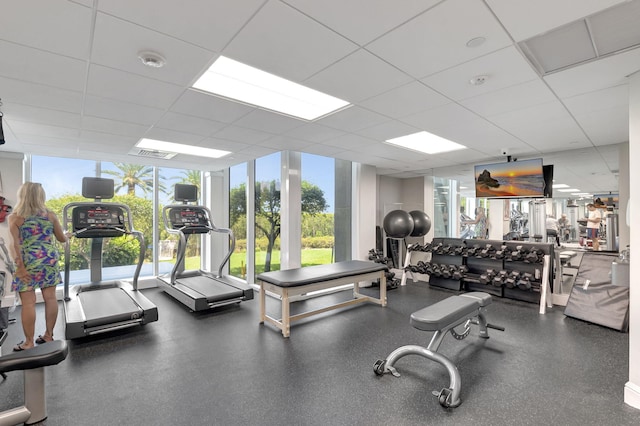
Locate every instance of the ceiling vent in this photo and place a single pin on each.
(152, 153)
(611, 31)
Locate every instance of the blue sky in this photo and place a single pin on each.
(60, 176)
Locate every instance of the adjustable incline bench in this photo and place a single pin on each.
(299, 281)
(32, 361)
(441, 317)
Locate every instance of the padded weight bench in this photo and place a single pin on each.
(299, 281)
(32, 361)
(441, 317)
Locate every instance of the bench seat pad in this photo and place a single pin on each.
(318, 273)
(448, 311)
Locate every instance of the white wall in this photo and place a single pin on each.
(11, 166)
(632, 388)
(365, 204)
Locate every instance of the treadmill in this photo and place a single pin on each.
(101, 306)
(198, 289)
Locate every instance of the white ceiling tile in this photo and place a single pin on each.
(29, 128)
(359, 76)
(188, 124)
(503, 68)
(441, 117)
(524, 18)
(405, 100)
(38, 115)
(285, 42)
(352, 119)
(324, 150)
(420, 48)
(56, 26)
(113, 127)
(205, 23)
(224, 144)
(606, 126)
(510, 98)
(362, 20)
(612, 97)
(350, 141)
(282, 143)
(313, 132)
(173, 136)
(123, 86)
(242, 134)
(269, 122)
(199, 104)
(121, 111)
(40, 95)
(606, 72)
(28, 64)
(388, 130)
(117, 44)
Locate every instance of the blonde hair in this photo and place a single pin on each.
(31, 199)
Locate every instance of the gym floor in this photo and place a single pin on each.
(222, 368)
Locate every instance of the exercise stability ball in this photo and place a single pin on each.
(398, 224)
(421, 223)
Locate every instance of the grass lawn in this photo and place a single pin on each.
(309, 257)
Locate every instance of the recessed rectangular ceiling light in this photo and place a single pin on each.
(426, 142)
(181, 148)
(569, 190)
(243, 83)
(560, 185)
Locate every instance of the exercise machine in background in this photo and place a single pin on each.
(100, 306)
(198, 289)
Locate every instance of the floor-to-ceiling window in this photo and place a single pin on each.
(267, 213)
(238, 219)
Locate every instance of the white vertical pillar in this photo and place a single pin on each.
(496, 219)
(429, 204)
(290, 210)
(364, 204)
(251, 221)
(632, 387)
(624, 196)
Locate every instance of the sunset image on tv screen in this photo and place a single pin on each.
(511, 179)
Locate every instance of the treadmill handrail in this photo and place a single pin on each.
(183, 239)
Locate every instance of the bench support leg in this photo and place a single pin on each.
(455, 384)
(34, 409)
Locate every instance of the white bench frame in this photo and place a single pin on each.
(286, 293)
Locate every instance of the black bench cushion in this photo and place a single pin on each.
(50, 353)
(446, 312)
(318, 273)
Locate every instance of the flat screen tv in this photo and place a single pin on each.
(514, 179)
(185, 192)
(97, 188)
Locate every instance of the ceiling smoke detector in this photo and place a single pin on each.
(478, 80)
(152, 59)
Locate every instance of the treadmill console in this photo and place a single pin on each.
(190, 220)
(98, 220)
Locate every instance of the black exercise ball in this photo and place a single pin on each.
(421, 223)
(398, 224)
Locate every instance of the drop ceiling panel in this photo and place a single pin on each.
(121, 111)
(199, 104)
(352, 119)
(188, 124)
(113, 127)
(15, 91)
(350, 141)
(362, 20)
(324, 150)
(242, 134)
(24, 129)
(388, 130)
(56, 26)
(616, 28)
(283, 143)
(284, 42)
(405, 100)
(224, 144)
(27, 64)
(313, 132)
(205, 23)
(269, 122)
(599, 100)
(123, 86)
(420, 49)
(524, 19)
(38, 115)
(359, 76)
(510, 98)
(439, 118)
(173, 136)
(606, 72)
(117, 44)
(503, 68)
(608, 126)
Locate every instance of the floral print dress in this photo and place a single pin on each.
(39, 253)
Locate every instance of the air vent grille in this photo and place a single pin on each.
(153, 153)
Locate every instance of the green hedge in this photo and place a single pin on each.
(308, 242)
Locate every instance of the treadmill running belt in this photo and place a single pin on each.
(211, 289)
(108, 305)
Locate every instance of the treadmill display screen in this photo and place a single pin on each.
(189, 219)
(98, 220)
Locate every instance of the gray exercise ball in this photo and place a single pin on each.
(398, 224)
(421, 223)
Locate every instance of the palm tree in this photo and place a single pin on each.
(131, 176)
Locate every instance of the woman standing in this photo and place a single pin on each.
(480, 222)
(34, 230)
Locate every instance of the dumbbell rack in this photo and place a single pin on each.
(522, 270)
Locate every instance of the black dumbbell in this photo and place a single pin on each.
(435, 270)
(500, 254)
(524, 283)
(458, 250)
(500, 278)
(517, 254)
(487, 251)
(512, 279)
(471, 251)
(460, 272)
(426, 248)
(487, 277)
(446, 271)
(534, 256)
